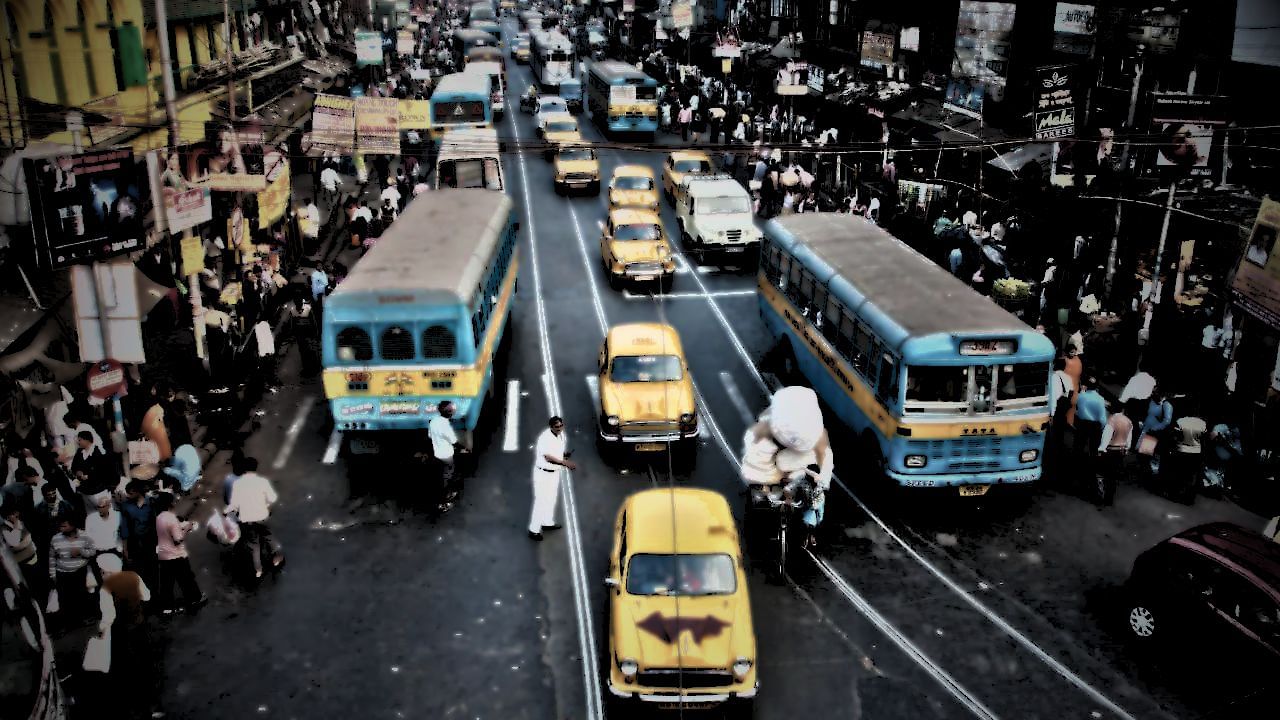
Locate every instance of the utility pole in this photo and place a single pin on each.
(231, 75)
(1124, 164)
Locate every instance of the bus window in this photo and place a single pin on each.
(862, 351)
(844, 345)
(793, 284)
(397, 344)
(819, 305)
(471, 173)
(983, 377)
(1022, 381)
(887, 386)
(354, 345)
(439, 343)
(937, 384)
(806, 294)
(831, 319)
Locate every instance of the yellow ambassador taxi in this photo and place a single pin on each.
(681, 164)
(680, 631)
(634, 249)
(646, 393)
(633, 186)
(559, 129)
(576, 167)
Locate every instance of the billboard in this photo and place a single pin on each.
(1185, 125)
(184, 204)
(415, 114)
(333, 124)
(909, 39)
(230, 159)
(877, 49)
(274, 201)
(85, 207)
(1055, 111)
(378, 125)
(1073, 28)
(982, 45)
(368, 48)
(965, 97)
(1257, 281)
(1257, 35)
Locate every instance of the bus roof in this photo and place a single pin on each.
(612, 71)
(483, 67)
(552, 39)
(908, 288)
(462, 83)
(437, 250)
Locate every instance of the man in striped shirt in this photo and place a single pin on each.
(69, 554)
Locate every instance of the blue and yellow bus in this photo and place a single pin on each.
(460, 100)
(422, 318)
(621, 98)
(942, 386)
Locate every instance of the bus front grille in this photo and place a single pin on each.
(960, 454)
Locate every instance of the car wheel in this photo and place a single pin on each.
(559, 189)
(664, 285)
(615, 282)
(1145, 623)
(740, 710)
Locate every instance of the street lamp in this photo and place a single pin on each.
(833, 12)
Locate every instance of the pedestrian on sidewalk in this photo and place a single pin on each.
(22, 547)
(171, 551)
(331, 181)
(104, 526)
(309, 224)
(685, 118)
(139, 531)
(1091, 415)
(251, 499)
(69, 556)
(120, 602)
(549, 456)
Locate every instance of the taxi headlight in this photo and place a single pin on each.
(915, 461)
(741, 667)
(628, 668)
(612, 421)
(1028, 455)
(688, 419)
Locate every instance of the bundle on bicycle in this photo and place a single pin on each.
(787, 463)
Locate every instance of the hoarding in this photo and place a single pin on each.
(1257, 281)
(982, 45)
(85, 207)
(1185, 124)
(415, 114)
(1074, 27)
(230, 159)
(274, 201)
(368, 48)
(909, 39)
(184, 204)
(1055, 111)
(966, 97)
(378, 125)
(877, 49)
(333, 124)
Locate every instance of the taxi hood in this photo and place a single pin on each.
(647, 400)
(700, 636)
(639, 250)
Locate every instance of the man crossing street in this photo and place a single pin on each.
(549, 456)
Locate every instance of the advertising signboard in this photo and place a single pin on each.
(1074, 27)
(982, 45)
(1055, 111)
(965, 96)
(1257, 280)
(230, 159)
(368, 48)
(1185, 124)
(378, 125)
(333, 124)
(183, 205)
(85, 207)
(877, 49)
(274, 201)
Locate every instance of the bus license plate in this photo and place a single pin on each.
(644, 278)
(973, 490)
(734, 249)
(362, 446)
(649, 447)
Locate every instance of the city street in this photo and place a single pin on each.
(964, 607)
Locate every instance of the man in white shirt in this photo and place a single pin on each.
(251, 498)
(391, 193)
(444, 444)
(549, 456)
(309, 217)
(103, 526)
(330, 181)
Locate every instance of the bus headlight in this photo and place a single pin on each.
(915, 461)
(1028, 455)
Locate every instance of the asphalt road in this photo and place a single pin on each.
(945, 609)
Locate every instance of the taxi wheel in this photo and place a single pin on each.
(559, 189)
(664, 285)
(740, 710)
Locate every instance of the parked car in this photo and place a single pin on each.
(1214, 589)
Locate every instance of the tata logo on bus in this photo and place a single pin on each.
(988, 347)
(977, 431)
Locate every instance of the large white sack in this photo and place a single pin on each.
(758, 466)
(794, 418)
(790, 462)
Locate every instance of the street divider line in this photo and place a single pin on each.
(582, 608)
(735, 397)
(331, 450)
(291, 435)
(511, 434)
(628, 295)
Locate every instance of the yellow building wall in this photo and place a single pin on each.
(181, 50)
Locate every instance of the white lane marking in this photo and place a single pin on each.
(291, 435)
(552, 403)
(511, 434)
(331, 450)
(593, 387)
(948, 683)
(735, 397)
(581, 604)
(974, 705)
(628, 295)
(1027, 643)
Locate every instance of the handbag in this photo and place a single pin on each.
(1147, 446)
(97, 653)
(142, 452)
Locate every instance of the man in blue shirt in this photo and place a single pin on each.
(1091, 414)
(138, 531)
(1159, 416)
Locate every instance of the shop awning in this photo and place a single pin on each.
(1014, 159)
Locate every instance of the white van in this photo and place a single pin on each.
(497, 83)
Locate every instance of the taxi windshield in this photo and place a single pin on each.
(645, 368)
(632, 182)
(552, 104)
(637, 232)
(681, 575)
(561, 126)
(574, 154)
(724, 205)
(693, 166)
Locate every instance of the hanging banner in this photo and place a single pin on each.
(192, 255)
(184, 205)
(965, 97)
(909, 39)
(1074, 27)
(85, 207)
(1186, 125)
(1257, 280)
(681, 15)
(415, 114)
(378, 126)
(230, 159)
(877, 49)
(333, 124)
(274, 201)
(368, 48)
(1055, 112)
(982, 45)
